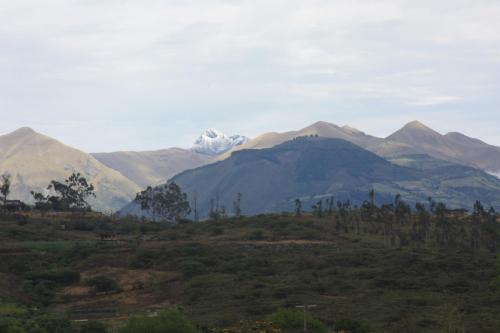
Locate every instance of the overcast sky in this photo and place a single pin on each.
(107, 75)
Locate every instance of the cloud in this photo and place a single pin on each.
(165, 70)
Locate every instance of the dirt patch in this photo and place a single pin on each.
(129, 279)
(137, 292)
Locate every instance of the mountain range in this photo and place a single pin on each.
(311, 168)
(413, 138)
(35, 159)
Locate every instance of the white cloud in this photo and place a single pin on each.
(164, 70)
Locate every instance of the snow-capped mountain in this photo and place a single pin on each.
(213, 142)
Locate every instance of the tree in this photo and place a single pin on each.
(298, 207)
(166, 202)
(432, 204)
(318, 208)
(401, 209)
(423, 223)
(73, 193)
(42, 202)
(195, 209)
(371, 196)
(344, 213)
(237, 205)
(330, 205)
(169, 321)
(488, 229)
(5, 187)
(478, 208)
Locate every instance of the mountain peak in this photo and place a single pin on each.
(213, 133)
(214, 142)
(415, 131)
(414, 128)
(19, 134)
(23, 131)
(319, 125)
(417, 125)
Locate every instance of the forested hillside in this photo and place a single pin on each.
(369, 269)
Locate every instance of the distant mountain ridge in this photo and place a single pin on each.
(147, 168)
(154, 167)
(453, 146)
(413, 138)
(36, 159)
(33, 160)
(311, 168)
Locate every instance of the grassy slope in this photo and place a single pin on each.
(223, 272)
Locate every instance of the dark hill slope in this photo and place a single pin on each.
(313, 168)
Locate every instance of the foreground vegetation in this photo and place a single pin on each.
(367, 269)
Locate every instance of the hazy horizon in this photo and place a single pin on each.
(124, 75)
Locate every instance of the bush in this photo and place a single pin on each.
(170, 321)
(349, 326)
(93, 327)
(42, 292)
(51, 324)
(192, 268)
(10, 325)
(256, 235)
(63, 277)
(147, 258)
(103, 284)
(293, 321)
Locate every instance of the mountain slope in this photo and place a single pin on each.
(413, 138)
(453, 146)
(320, 128)
(314, 167)
(153, 167)
(34, 160)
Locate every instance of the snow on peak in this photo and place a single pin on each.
(214, 142)
(212, 133)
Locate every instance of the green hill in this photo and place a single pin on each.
(372, 274)
(311, 168)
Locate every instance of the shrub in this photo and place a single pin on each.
(42, 292)
(63, 277)
(169, 321)
(12, 310)
(147, 258)
(51, 324)
(293, 321)
(256, 235)
(10, 325)
(93, 327)
(103, 284)
(192, 268)
(348, 325)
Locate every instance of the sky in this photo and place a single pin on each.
(106, 75)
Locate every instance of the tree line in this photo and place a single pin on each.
(70, 195)
(401, 224)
